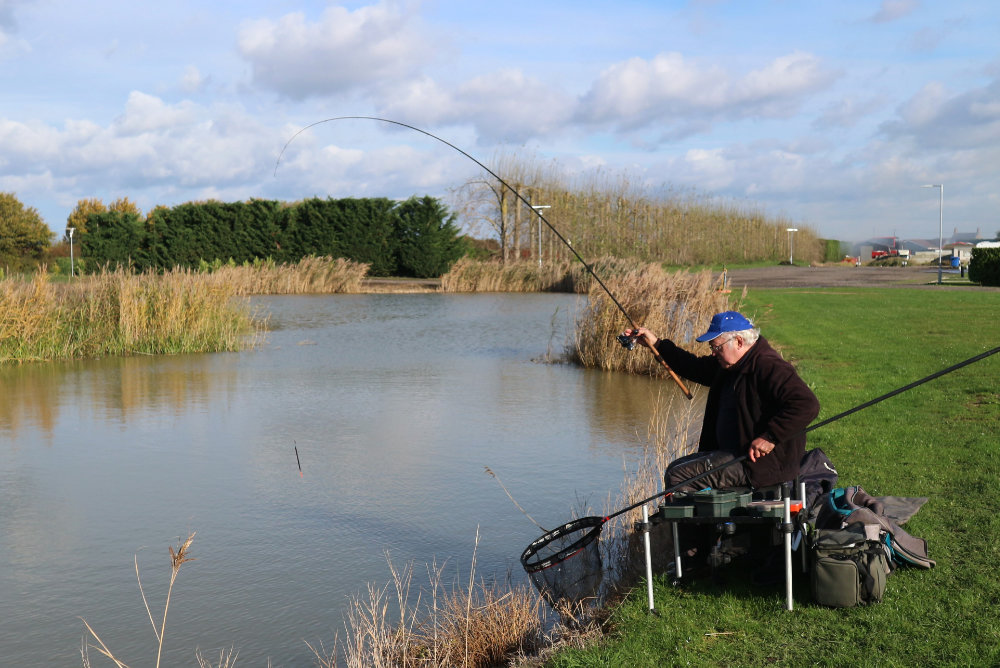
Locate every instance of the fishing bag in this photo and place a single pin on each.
(817, 472)
(848, 567)
(845, 506)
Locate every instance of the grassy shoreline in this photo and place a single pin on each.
(938, 441)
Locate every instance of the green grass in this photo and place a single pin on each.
(938, 440)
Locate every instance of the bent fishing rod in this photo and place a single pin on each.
(850, 411)
(627, 342)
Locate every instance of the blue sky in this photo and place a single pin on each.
(832, 114)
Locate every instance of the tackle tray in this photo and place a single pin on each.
(772, 508)
(679, 504)
(719, 503)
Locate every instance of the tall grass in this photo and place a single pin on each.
(676, 306)
(310, 275)
(471, 622)
(469, 275)
(120, 313)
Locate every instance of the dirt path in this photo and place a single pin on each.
(785, 276)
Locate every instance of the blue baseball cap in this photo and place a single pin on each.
(727, 321)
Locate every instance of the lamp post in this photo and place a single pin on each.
(791, 243)
(940, 224)
(70, 231)
(539, 212)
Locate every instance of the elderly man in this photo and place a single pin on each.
(757, 406)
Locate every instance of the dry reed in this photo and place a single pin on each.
(676, 306)
(178, 558)
(310, 275)
(469, 275)
(473, 623)
(120, 313)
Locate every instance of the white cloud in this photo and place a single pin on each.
(192, 80)
(935, 120)
(146, 113)
(848, 111)
(670, 91)
(343, 51)
(893, 10)
(502, 106)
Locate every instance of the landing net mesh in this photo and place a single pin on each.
(565, 563)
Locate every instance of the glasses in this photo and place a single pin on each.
(722, 345)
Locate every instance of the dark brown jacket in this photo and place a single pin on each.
(772, 401)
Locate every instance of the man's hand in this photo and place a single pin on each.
(760, 447)
(642, 336)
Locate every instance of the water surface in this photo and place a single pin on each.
(396, 404)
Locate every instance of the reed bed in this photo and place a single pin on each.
(677, 306)
(310, 275)
(121, 313)
(469, 275)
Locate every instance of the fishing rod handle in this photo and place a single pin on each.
(677, 379)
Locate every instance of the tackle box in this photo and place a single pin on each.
(719, 503)
(678, 504)
(772, 508)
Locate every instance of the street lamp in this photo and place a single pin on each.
(791, 242)
(539, 212)
(940, 224)
(70, 231)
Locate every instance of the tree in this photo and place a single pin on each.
(117, 239)
(428, 240)
(83, 210)
(125, 205)
(24, 236)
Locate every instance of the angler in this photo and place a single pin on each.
(757, 405)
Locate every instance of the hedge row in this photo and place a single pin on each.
(416, 237)
(984, 267)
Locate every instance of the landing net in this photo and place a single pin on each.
(565, 563)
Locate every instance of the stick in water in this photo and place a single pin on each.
(297, 461)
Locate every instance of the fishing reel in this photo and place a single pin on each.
(628, 342)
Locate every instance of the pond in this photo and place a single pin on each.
(396, 406)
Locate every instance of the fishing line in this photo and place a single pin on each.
(628, 342)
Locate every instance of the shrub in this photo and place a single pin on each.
(984, 267)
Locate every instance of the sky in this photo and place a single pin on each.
(829, 114)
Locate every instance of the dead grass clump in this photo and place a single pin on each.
(468, 275)
(676, 306)
(310, 275)
(474, 623)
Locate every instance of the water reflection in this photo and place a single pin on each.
(37, 396)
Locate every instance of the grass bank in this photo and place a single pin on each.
(938, 440)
